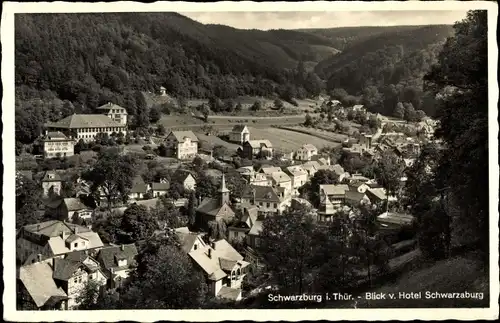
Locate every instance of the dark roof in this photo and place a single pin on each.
(54, 136)
(238, 128)
(107, 256)
(138, 185)
(85, 121)
(209, 206)
(353, 195)
(180, 175)
(64, 269)
(262, 193)
(55, 177)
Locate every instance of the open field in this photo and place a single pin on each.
(185, 122)
(289, 140)
(322, 134)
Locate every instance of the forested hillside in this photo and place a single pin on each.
(387, 68)
(95, 57)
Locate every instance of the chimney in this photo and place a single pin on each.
(76, 230)
(112, 270)
(109, 103)
(253, 196)
(209, 253)
(122, 247)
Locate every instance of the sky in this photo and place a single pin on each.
(309, 19)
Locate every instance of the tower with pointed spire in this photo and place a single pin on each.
(224, 191)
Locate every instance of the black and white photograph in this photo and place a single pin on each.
(250, 156)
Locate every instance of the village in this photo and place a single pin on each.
(225, 194)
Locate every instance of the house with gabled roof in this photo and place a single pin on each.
(223, 267)
(239, 229)
(182, 144)
(299, 177)
(57, 144)
(282, 180)
(118, 262)
(37, 290)
(239, 134)
(257, 148)
(36, 242)
(66, 208)
(185, 178)
(267, 199)
(160, 188)
(114, 112)
(306, 152)
(311, 167)
(139, 188)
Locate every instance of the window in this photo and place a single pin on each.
(79, 279)
(275, 205)
(75, 244)
(268, 204)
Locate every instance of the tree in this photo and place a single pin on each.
(160, 130)
(217, 229)
(419, 115)
(191, 208)
(238, 107)
(410, 114)
(205, 111)
(399, 111)
(28, 200)
(154, 114)
(308, 122)
(166, 279)
(256, 106)
(142, 111)
(219, 151)
(278, 104)
(388, 172)
(462, 68)
(287, 247)
(137, 224)
(112, 175)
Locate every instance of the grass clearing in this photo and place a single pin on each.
(289, 140)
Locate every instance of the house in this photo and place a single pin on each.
(306, 152)
(323, 160)
(216, 209)
(268, 199)
(118, 262)
(53, 239)
(311, 167)
(37, 290)
(150, 204)
(335, 192)
(261, 179)
(67, 208)
(299, 177)
(281, 179)
(268, 170)
(239, 134)
(238, 230)
(185, 178)
(223, 267)
(51, 183)
(257, 148)
(358, 178)
(87, 126)
(358, 108)
(139, 189)
(160, 188)
(365, 141)
(114, 112)
(182, 144)
(333, 103)
(338, 170)
(56, 144)
(253, 236)
(358, 186)
(163, 91)
(73, 272)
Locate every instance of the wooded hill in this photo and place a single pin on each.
(90, 59)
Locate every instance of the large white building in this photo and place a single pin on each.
(115, 112)
(87, 126)
(182, 144)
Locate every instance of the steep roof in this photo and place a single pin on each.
(48, 174)
(270, 169)
(224, 250)
(180, 175)
(256, 228)
(180, 135)
(354, 196)
(84, 121)
(38, 281)
(259, 143)
(262, 193)
(75, 204)
(54, 228)
(107, 256)
(239, 128)
(210, 265)
(280, 177)
(64, 269)
(110, 106)
(187, 239)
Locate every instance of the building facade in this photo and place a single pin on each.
(115, 113)
(56, 144)
(182, 144)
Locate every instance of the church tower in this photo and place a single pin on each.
(224, 192)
